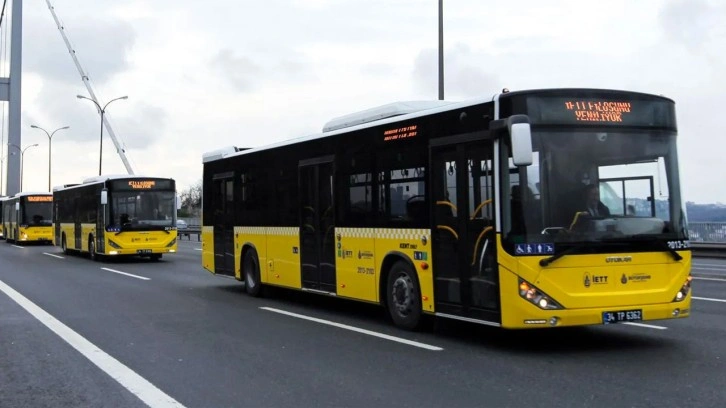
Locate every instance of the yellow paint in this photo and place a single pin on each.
(35, 234)
(208, 248)
(283, 257)
(355, 264)
(647, 281)
(253, 237)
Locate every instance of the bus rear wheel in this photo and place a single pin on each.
(92, 250)
(403, 296)
(64, 245)
(251, 270)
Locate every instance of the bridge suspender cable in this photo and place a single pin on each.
(86, 81)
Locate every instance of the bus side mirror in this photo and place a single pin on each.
(104, 197)
(521, 134)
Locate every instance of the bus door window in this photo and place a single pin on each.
(223, 224)
(483, 273)
(317, 229)
(445, 232)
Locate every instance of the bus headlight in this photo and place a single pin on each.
(536, 297)
(113, 245)
(684, 290)
(172, 243)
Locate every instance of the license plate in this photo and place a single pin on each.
(622, 316)
(143, 251)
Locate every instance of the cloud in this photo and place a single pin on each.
(101, 45)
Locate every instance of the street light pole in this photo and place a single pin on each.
(441, 50)
(50, 137)
(22, 161)
(103, 111)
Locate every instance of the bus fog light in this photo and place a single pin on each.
(113, 252)
(554, 320)
(676, 312)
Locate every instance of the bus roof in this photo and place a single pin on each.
(29, 193)
(381, 112)
(435, 107)
(104, 178)
(392, 113)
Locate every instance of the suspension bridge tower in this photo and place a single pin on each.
(10, 92)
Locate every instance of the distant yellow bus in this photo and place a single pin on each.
(475, 211)
(115, 216)
(2, 213)
(27, 217)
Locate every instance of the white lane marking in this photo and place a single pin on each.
(197, 249)
(710, 279)
(127, 274)
(709, 299)
(356, 329)
(136, 384)
(650, 326)
(708, 269)
(54, 256)
(18, 246)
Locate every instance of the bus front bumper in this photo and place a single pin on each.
(634, 314)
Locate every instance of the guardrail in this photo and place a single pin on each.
(708, 238)
(188, 232)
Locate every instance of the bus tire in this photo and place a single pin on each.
(403, 296)
(92, 249)
(251, 270)
(64, 245)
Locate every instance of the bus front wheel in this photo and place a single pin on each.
(403, 296)
(251, 270)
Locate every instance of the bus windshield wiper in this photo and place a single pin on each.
(548, 261)
(660, 243)
(650, 239)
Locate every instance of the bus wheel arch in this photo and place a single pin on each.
(250, 270)
(400, 291)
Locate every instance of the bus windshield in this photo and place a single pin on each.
(37, 213)
(594, 188)
(142, 210)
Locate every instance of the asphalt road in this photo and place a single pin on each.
(131, 333)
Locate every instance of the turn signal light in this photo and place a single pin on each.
(536, 297)
(685, 289)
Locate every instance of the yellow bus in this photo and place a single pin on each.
(114, 216)
(2, 213)
(27, 217)
(531, 209)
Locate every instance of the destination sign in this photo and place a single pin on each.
(142, 185)
(40, 199)
(598, 111)
(610, 111)
(404, 132)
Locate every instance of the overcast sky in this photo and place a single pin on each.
(205, 74)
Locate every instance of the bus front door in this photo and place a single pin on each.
(223, 221)
(464, 243)
(317, 225)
